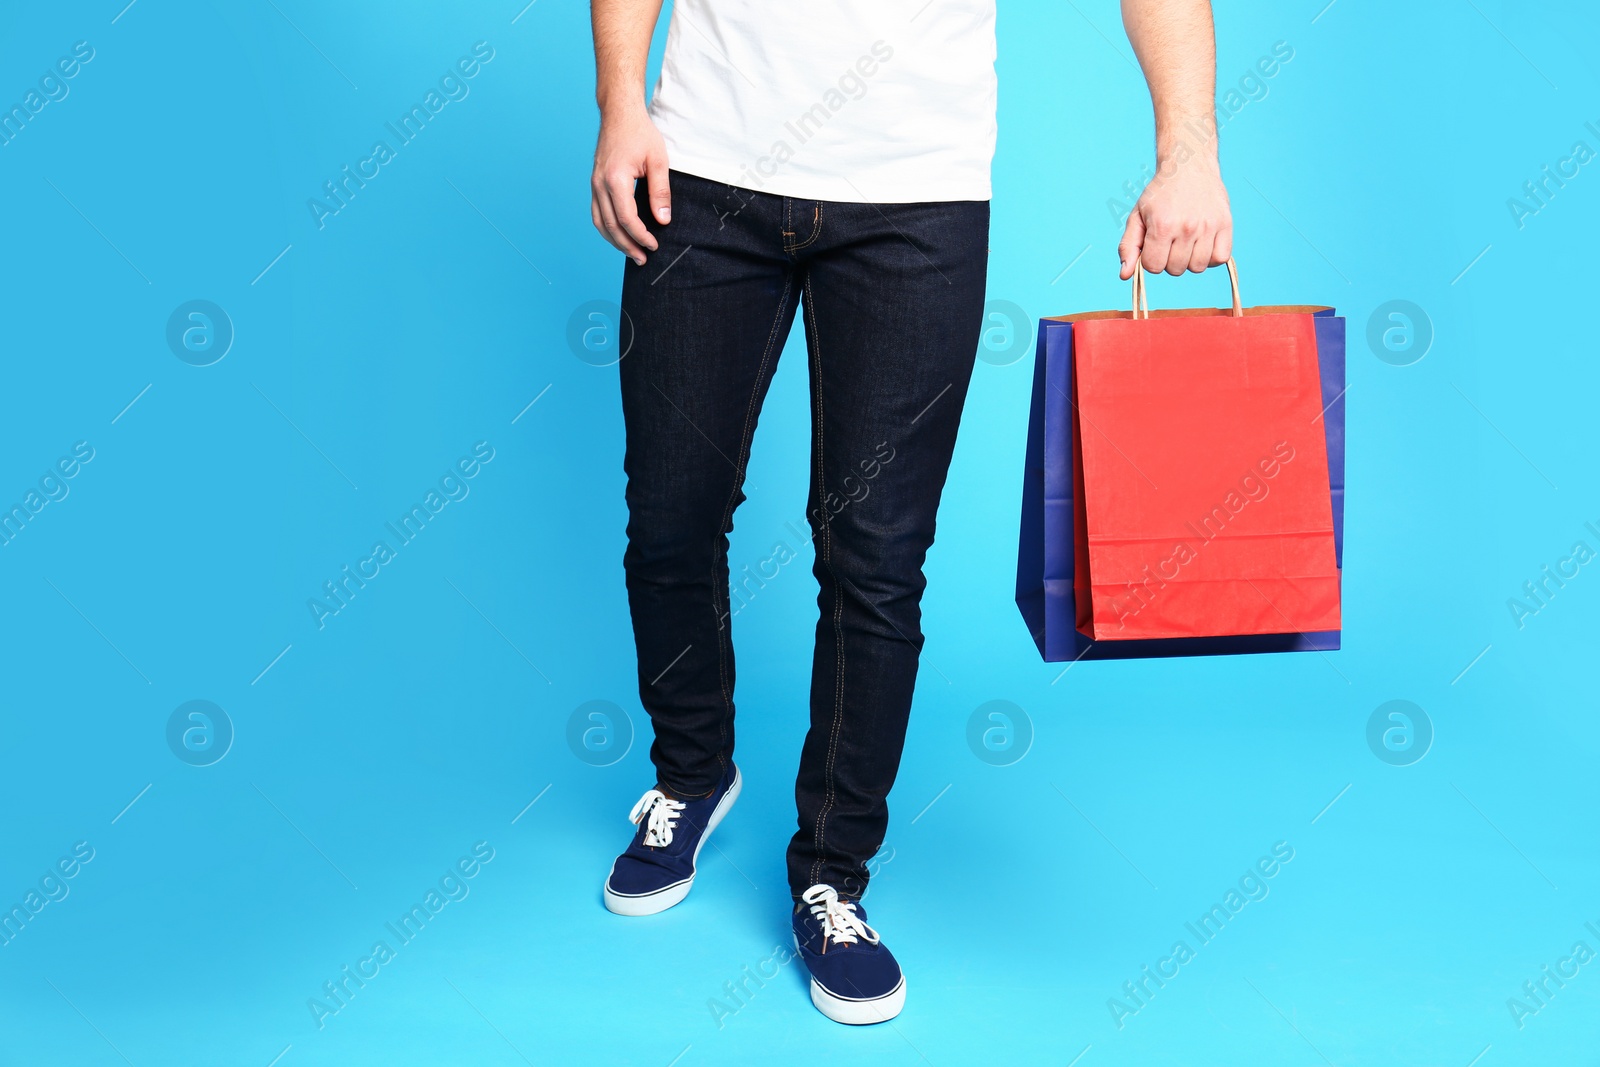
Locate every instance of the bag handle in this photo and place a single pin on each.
(1141, 305)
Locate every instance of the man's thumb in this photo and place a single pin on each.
(1132, 244)
(660, 194)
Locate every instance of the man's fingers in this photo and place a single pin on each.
(1132, 241)
(1181, 252)
(660, 193)
(627, 212)
(1156, 251)
(614, 231)
(1169, 243)
(597, 211)
(611, 230)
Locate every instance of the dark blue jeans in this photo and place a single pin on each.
(892, 296)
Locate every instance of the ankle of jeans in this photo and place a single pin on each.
(848, 886)
(672, 790)
(683, 794)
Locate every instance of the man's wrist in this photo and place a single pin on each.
(620, 102)
(1182, 138)
(1189, 158)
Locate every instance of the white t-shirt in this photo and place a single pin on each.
(877, 101)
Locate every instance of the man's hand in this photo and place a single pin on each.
(630, 148)
(1181, 222)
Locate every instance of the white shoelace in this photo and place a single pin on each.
(840, 923)
(662, 811)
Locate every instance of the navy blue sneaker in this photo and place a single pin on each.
(854, 977)
(657, 869)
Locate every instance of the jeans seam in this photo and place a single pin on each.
(746, 433)
(819, 831)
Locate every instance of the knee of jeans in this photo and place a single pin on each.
(882, 564)
(667, 538)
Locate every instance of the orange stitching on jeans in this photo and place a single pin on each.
(826, 552)
(816, 230)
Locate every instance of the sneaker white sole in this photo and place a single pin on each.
(664, 898)
(853, 1012)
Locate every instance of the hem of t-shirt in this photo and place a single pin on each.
(838, 190)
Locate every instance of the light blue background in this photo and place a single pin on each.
(428, 713)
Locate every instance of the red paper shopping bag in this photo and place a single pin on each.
(1202, 499)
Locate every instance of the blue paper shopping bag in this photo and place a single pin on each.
(1049, 553)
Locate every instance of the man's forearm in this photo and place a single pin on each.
(629, 147)
(1176, 45)
(1182, 220)
(622, 32)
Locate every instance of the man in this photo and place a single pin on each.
(830, 160)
